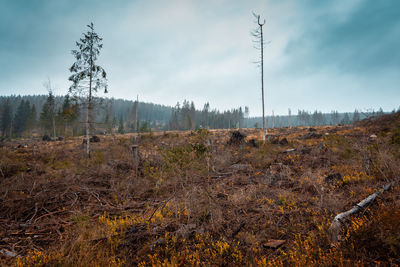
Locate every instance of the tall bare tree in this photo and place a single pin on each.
(87, 77)
(257, 33)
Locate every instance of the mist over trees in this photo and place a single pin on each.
(316, 118)
(17, 120)
(21, 117)
(6, 118)
(186, 117)
(48, 116)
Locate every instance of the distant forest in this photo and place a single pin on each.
(62, 116)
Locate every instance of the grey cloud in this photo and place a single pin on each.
(366, 41)
(167, 51)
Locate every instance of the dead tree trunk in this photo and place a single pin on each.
(54, 127)
(137, 114)
(262, 76)
(259, 39)
(336, 224)
(89, 107)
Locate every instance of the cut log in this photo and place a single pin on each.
(289, 150)
(336, 224)
(8, 253)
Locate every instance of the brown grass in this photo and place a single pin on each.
(198, 201)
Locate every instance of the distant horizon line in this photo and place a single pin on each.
(361, 110)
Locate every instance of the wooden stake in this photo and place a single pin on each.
(135, 156)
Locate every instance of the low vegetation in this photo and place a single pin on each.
(208, 198)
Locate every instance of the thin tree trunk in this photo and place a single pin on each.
(88, 117)
(262, 82)
(54, 128)
(273, 120)
(87, 130)
(137, 114)
(89, 108)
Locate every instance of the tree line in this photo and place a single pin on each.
(37, 115)
(186, 117)
(20, 116)
(316, 118)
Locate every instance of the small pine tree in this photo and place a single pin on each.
(87, 77)
(48, 114)
(69, 112)
(121, 129)
(31, 123)
(335, 117)
(108, 123)
(346, 119)
(145, 127)
(21, 118)
(356, 116)
(6, 119)
(113, 125)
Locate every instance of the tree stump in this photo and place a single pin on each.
(135, 157)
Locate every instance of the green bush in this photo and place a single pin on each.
(395, 139)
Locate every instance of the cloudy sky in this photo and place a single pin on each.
(325, 55)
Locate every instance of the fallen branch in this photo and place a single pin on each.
(165, 203)
(36, 210)
(2, 173)
(336, 224)
(8, 253)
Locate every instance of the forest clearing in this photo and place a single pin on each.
(205, 197)
(199, 133)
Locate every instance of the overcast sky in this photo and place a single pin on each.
(325, 55)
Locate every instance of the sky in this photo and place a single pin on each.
(324, 55)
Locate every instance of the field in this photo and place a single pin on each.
(205, 198)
